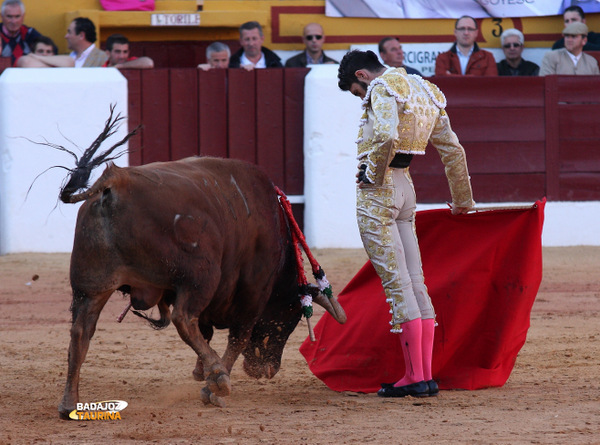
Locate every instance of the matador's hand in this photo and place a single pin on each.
(460, 210)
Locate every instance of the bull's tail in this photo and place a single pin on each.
(80, 175)
(163, 321)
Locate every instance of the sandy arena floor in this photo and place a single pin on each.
(552, 396)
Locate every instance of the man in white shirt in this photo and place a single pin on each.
(80, 37)
(252, 54)
(570, 60)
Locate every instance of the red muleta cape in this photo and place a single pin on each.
(483, 271)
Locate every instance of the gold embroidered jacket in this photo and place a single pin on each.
(402, 113)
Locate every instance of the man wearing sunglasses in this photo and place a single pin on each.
(465, 57)
(313, 38)
(512, 41)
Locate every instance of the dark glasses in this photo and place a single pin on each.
(512, 45)
(313, 36)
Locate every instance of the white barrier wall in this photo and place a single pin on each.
(64, 106)
(330, 129)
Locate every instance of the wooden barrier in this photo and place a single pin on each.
(256, 116)
(525, 137)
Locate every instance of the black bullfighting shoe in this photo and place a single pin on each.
(419, 389)
(434, 390)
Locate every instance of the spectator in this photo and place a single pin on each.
(575, 14)
(81, 36)
(44, 55)
(465, 57)
(314, 38)
(571, 59)
(252, 54)
(512, 41)
(17, 38)
(217, 56)
(117, 49)
(390, 51)
(44, 46)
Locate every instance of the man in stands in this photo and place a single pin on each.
(117, 49)
(575, 14)
(512, 41)
(390, 51)
(252, 54)
(217, 56)
(44, 46)
(17, 39)
(570, 60)
(314, 38)
(81, 36)
(465, 58)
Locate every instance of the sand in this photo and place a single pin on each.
(552, 396)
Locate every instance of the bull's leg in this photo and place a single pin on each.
(86, 311)
(185, 318)
(238, 341)
(207, 333)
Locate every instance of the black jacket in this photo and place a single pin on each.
(272, 60)
(525, 68)
(300, 61)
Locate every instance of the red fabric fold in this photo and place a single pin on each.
(483, 271)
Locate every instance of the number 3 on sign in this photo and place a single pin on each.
(497, 30)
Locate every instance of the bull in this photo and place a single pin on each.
(202, 239)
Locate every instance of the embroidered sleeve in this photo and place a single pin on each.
(385, 126)
(454, 160)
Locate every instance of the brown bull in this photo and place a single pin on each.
(205, 240)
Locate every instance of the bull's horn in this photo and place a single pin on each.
(332, 306)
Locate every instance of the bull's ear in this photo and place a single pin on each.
(331, 305)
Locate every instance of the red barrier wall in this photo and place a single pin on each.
(525, 137)
(252, 115)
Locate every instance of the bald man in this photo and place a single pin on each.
(313, 37)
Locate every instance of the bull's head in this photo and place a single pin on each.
(262, 357)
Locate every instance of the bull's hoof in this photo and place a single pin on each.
(205, 396)
(219, 384)
(63, 413)
(217, 401)
(208, 397)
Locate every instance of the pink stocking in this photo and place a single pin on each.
(411, 337)
(428, 326)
